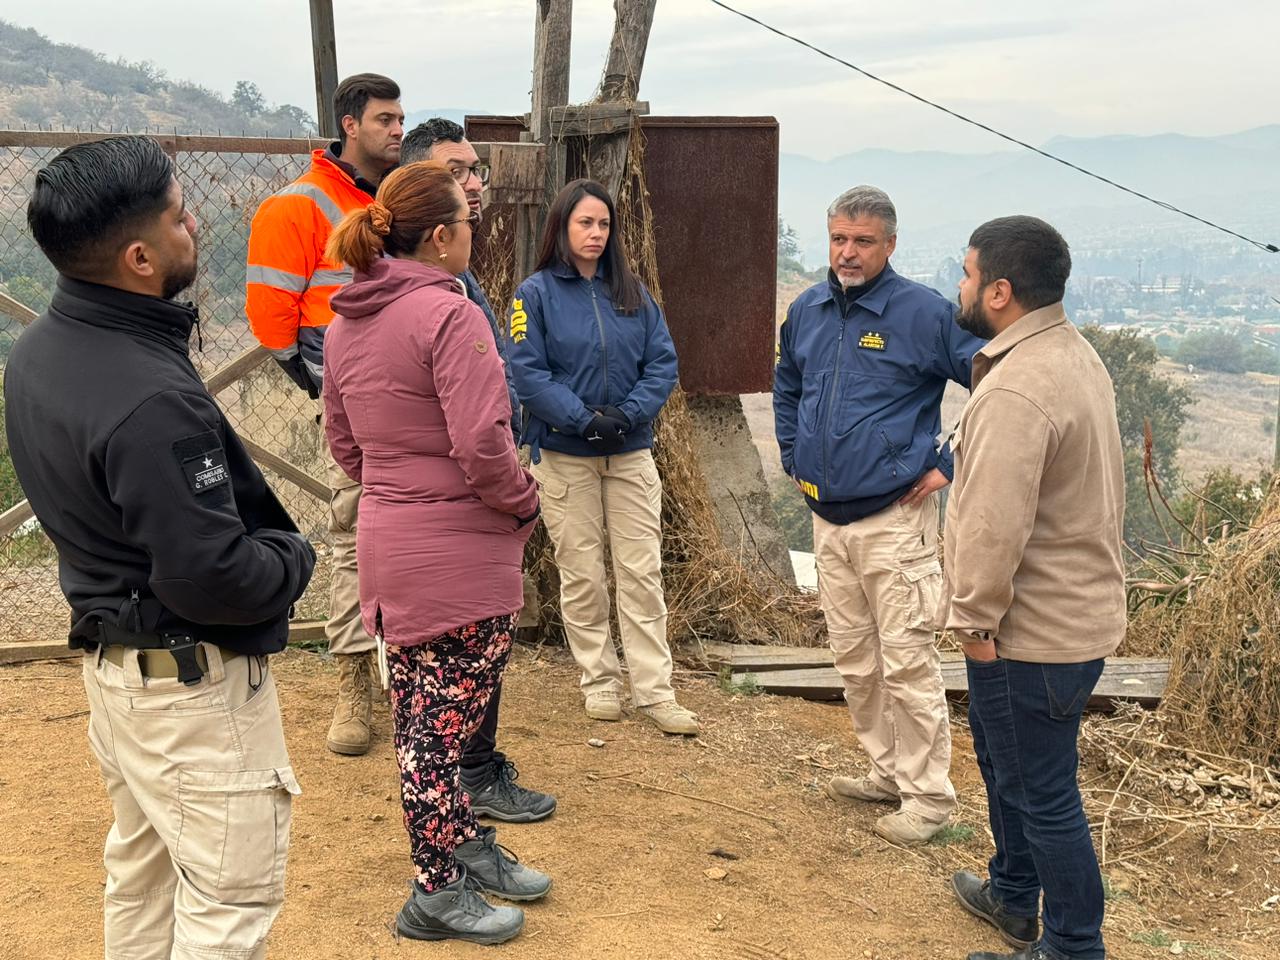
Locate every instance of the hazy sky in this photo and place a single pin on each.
(1036, 68)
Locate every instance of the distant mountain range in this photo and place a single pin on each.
(940, 196)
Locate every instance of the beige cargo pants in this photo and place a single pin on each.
(582, 498)
(345, 631)
(201, 788)
(879, 581)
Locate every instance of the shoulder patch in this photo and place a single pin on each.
(519, 320)
(204, 464)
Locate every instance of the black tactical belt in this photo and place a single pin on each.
(181, 646)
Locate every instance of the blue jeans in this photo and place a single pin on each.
(1025, 719)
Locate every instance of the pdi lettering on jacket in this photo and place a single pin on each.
(519, 321)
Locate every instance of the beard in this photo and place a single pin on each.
(178, 279)
(974, 320)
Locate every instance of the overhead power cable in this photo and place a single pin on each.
(1269, 247)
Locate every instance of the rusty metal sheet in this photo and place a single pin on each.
(713, 187)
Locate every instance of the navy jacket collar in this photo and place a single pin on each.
(875, 299)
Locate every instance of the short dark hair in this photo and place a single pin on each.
(355, 92)
(90, 198)
(1027, 252)
(624, 286)
(417, 143)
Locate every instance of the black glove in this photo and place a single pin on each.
(297, 370)
(616, 414)
(522, 522)
(605, 434)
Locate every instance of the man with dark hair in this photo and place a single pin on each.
(1035, 582)
(178, 562)
(863, 360)
(488, 777)
(289, 283)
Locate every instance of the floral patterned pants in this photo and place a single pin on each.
(439, 691)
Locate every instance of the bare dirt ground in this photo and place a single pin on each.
(635, 873)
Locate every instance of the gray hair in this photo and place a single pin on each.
(866, 201)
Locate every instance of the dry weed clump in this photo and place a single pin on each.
(1224, 676)
(713, 593)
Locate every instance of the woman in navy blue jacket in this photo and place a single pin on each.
(593, 363)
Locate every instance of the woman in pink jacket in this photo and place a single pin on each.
(417, 411)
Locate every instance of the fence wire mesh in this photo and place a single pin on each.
(223, 181)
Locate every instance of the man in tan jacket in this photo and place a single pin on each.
(1035, 582)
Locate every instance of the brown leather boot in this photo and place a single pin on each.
(353, 713)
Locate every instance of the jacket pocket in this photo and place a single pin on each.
(893, 460)
(233, 833)
(813, 389)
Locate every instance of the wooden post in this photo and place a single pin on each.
(325, 54)
(606, 156)
(553, 28)
(633, 19)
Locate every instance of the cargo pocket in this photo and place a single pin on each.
(233, 835)
(923, 579)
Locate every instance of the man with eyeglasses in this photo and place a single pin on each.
(488, 776)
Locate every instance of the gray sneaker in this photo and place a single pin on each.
(457, 912)
(496, 870)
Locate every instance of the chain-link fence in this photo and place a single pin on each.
(223, 181)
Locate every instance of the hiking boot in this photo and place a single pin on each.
(976, 897)
(604, 705)
(670, 717)
(353, 713)
(496, 870)
(860, 788)
(494, 793)
(1033, 952)
(907, 828)
(456, 912)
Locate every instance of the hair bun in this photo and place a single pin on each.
(379, 218)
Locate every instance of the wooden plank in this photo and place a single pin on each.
(516, 172)
(593, 119)
(743, 656)
(1142, 682)
(236, 368)
(36, 650)
(16, 309)
(174, 144)
(299, 631)
(15, 517)
(280, 465)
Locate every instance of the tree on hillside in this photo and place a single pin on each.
(1213, 350)
(1143, 395)
(249, 98)
(788, 249)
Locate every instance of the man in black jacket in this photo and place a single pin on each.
(179, 563)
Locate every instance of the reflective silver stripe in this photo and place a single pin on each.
(284, 353)
(318, 196)
(331, 278)
(271, 277)
(315, 369)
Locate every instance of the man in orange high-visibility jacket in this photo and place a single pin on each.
(289, 283)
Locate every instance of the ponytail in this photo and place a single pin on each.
(358, 240)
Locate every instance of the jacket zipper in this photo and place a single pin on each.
(604, 345)
(835, 386)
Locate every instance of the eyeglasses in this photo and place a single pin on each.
(472, 219)
(463, 174)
